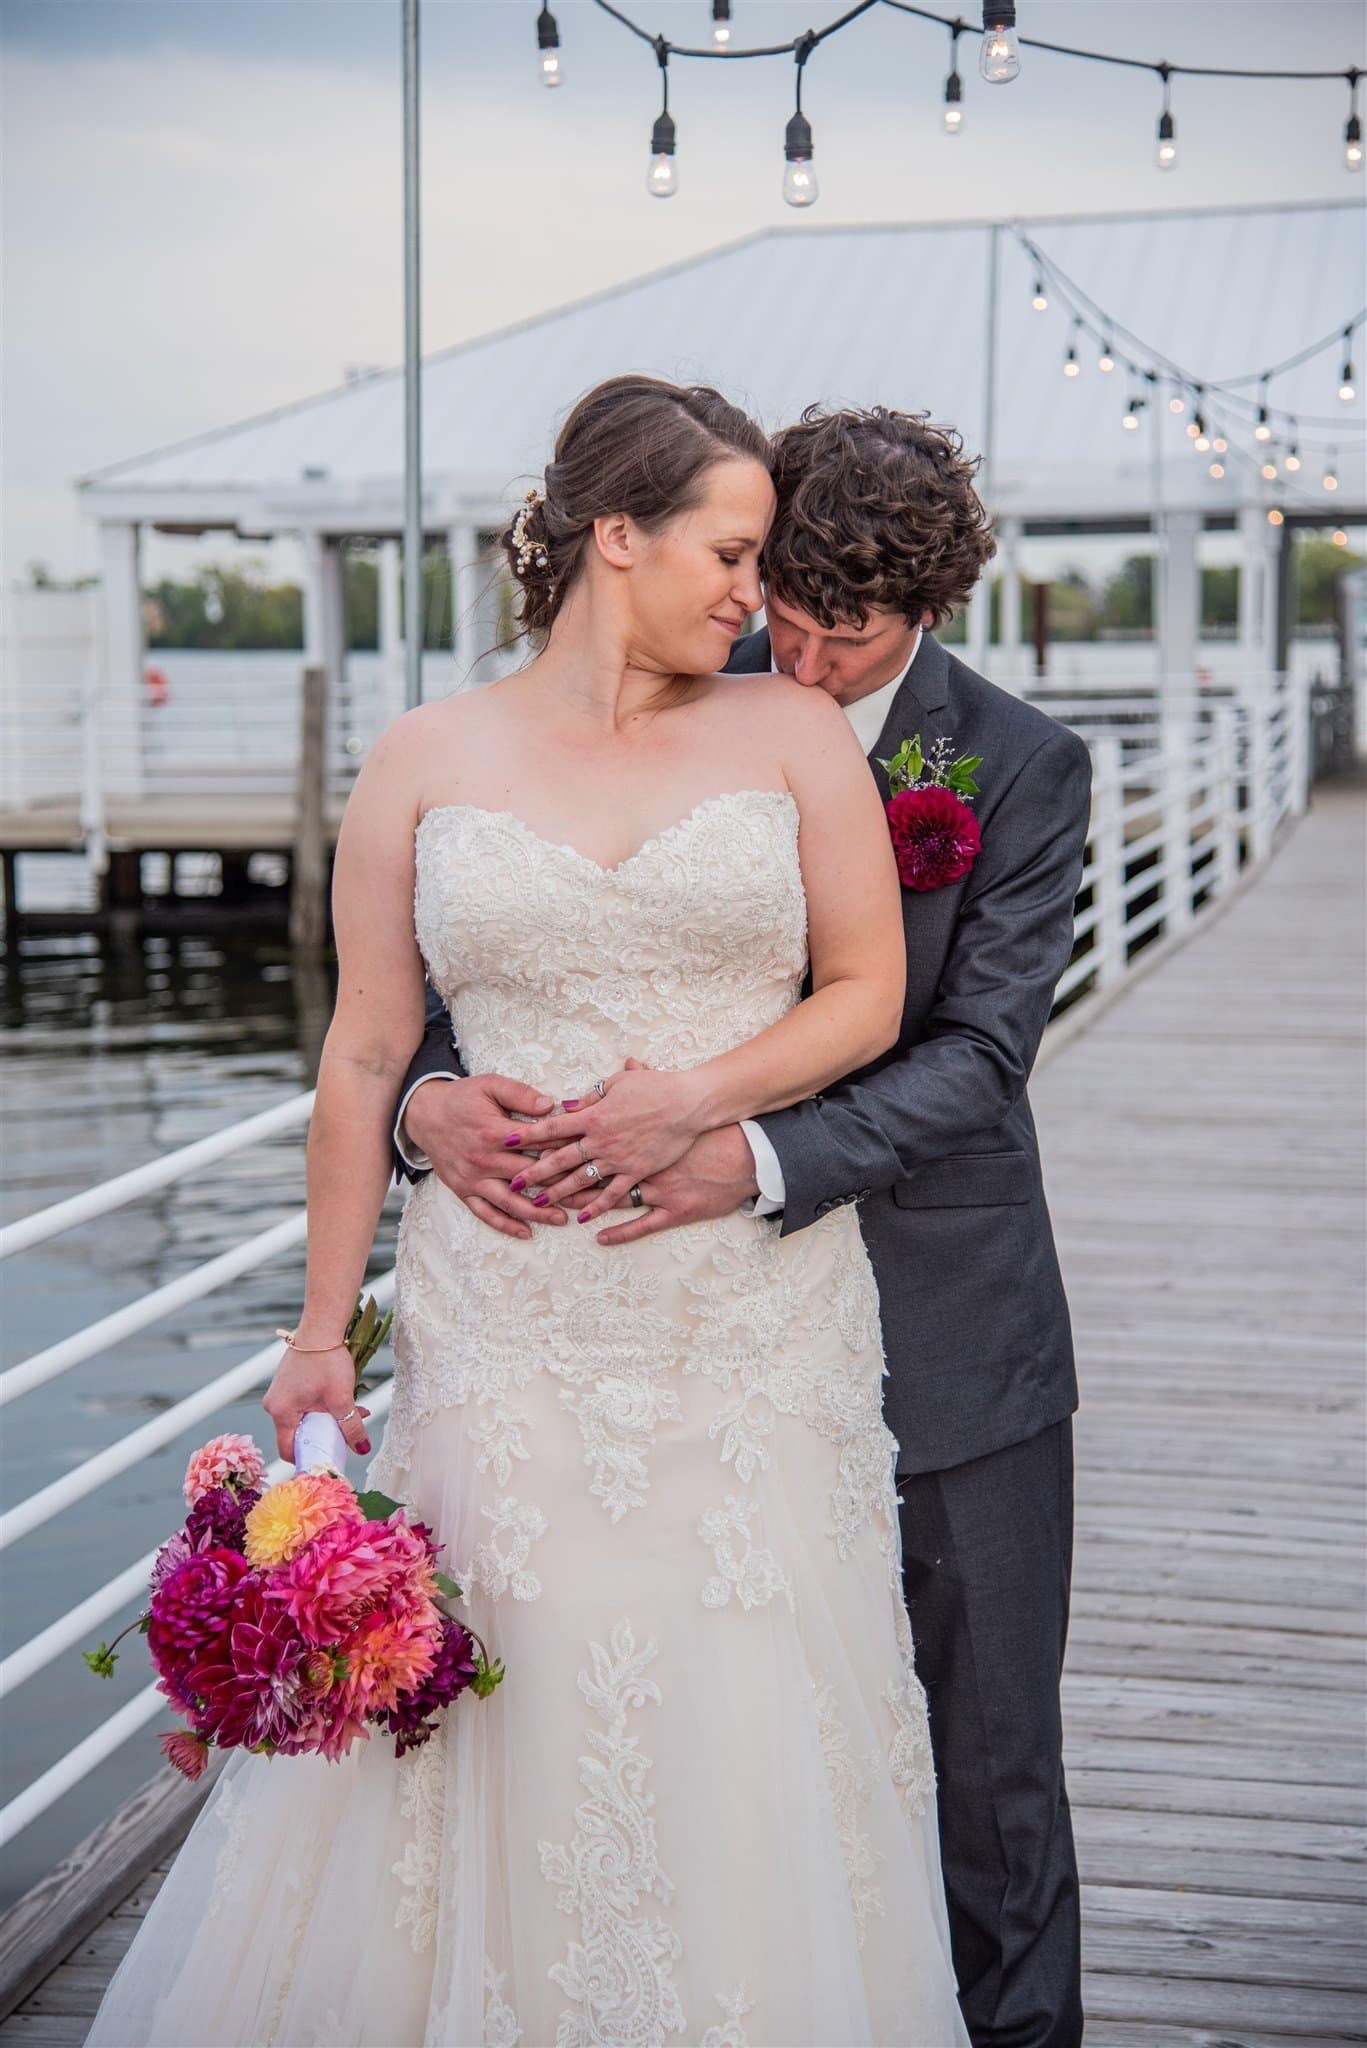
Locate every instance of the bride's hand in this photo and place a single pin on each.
(644, 1122)
(306, 1380)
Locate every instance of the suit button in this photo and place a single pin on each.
(825, 1208)
(863, 1194)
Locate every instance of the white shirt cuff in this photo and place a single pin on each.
(772, 1193)
(409, 1153)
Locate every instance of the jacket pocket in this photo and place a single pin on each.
(973, 1179)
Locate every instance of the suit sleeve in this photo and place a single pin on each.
(437, 1054)
(1011, 943)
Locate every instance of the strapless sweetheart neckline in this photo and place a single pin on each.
(655, 840)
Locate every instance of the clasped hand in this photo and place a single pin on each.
(642, 1123)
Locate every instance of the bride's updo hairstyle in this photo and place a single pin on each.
(633, 444)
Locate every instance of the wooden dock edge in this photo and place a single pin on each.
(43, 1926)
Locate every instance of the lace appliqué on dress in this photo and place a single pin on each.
(735, 2005)
(422, 1799)
(501, 2029)
(751, 1572)
(499, 1564)
(619, 1974)
(849, 1796)
(910, 1757)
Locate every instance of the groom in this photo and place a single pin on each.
(879, 534)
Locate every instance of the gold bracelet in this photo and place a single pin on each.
(288, 1336)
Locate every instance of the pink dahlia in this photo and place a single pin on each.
(222, 1459)
(189, 1753)
(935, 837)
(410, 1719)
(192, 1610)
(289, 1514)
(352, 1569)
(387, 1655)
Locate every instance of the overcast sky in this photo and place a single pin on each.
(201, 207)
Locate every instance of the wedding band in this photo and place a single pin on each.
(638, 1200)
(591, 1170)
(600, 1088)
(579, 1142)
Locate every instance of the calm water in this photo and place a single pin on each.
(110, 1060)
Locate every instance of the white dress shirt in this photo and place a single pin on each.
(868, 717)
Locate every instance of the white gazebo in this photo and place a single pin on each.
(925, 317)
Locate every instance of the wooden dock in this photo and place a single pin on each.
(1204, 1154)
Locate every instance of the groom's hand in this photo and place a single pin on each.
(464, 1126)
(715, 1175)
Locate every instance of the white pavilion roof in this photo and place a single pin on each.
(891, 315)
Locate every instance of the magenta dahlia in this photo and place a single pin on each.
(189, 1753)
(254, 1687)
(221, 1514)
(192, 1610)
(935, 837)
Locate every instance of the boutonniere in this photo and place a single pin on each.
(935, 835)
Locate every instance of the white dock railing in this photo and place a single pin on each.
(1179, 814)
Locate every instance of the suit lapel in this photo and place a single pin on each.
(923, 694)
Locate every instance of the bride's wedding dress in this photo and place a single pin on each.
(701, 1805)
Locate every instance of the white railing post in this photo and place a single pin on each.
(1108, 857)
(1260, 710)
(1298, 744)
(1224, 789)
(1176, 775)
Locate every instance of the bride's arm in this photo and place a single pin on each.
(858, 959)
(377, 1018)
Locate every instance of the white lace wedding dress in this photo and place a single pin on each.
(701, 1806)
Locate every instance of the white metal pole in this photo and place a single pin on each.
(412, 366)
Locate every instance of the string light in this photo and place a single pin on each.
(1166, 154)
(1177, 403)
(1339, 537)
(721, 23)
(1274, 517)
(1346, 390)
(1105, 362)
(1263, 430)
(1330, 478)
(1071, 366)
(548, 42)
(662, 177)
(954, 86)
(1196, 425)
(1040, 301)
(1268, 472)
(1217, 469)
(1352, 127)
(1131, 419)
(999, 56)
(1293, 460)
(1220, 445)
(800, 187)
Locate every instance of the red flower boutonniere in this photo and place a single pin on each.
(935, 835)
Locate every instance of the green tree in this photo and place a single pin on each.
(1220, 596)
(1127, 601)
(1319, 566)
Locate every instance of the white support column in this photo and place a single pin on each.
(1179, 623)
(979, 625)
(462, 547)
(1257, 592)
(391, 633)
(325, 628)
(1009, 649)
(120, 658)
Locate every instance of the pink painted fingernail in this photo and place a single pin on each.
(364, 1447)
(537, 1200)
(516, 1139)
(518, 1182)
(582, 1217)
(571, 1103)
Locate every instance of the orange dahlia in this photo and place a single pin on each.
(294, 1511)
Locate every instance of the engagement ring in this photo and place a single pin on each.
(591, 1170)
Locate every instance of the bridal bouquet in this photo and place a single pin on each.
(291, 1619)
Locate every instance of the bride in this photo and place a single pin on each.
(701, 1804)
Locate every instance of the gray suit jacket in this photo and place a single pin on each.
(934, 1140)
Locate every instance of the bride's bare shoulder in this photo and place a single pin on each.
(767, 698)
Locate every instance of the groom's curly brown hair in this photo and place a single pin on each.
(875, 508)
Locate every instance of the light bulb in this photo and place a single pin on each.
(1293, 461)
(662, 179)
(1194, 429)
(1352, 143)
(954, 95)
(721, 23)
(999, 56)
(1331, 482)
(1177, 403)
(1346, 390)
(799, 175)
(1220, 445)
(1274, 517)
(1339, 537)
(1262, 432)
(1071, 366)
(1203, 444)
(1166, 154)
(1269, 472)
(1131, 419)
(1105, 362)
(1040, 302)
(548, 42)
(1217, 469)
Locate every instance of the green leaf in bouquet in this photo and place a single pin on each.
(101, 1661)
(487, 1676)
(376, 1506)
(448, 1587)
